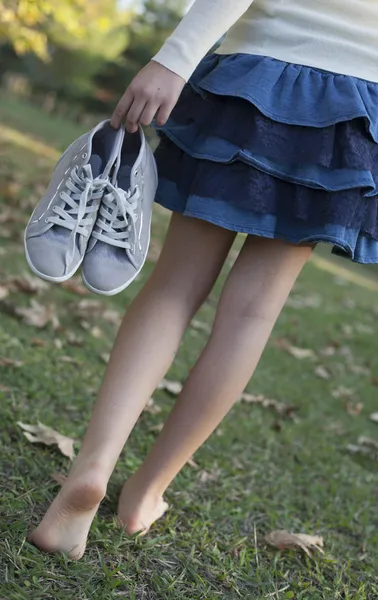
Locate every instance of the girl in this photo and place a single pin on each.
(276, 136)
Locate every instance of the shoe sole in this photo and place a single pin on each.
(49, 278)
(124, 286)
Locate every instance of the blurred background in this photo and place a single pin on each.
(75, 57)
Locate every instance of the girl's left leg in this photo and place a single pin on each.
(252, 299)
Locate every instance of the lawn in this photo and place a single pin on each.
(261, 471)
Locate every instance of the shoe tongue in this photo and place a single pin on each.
(95, 163)
(123, 177)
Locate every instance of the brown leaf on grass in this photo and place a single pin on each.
(199, 326)
(359, 369)
(322, 372)
(284, 540)
(342, 392)
(374, 417)
(4, 388)
(38, 315)
(112, 316)
(69, 359)
(207, 476)
(374, 380)
(96, 332)
(4, 292)
(9, 362)
(73, 339)
(105, 356)
(281, 408)
(39, 342)
(329, 351)
(75, 285)
(192, 463)
(152, 408)
(45, 435)
(60, 478)
(173, 387)
(365, 446)
(354, 408)
(27, 284)
(299, 353)
(156, 428)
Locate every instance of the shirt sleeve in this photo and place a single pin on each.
(201, 28)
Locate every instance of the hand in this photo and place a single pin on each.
(154, 91)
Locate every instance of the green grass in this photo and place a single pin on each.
(267, 472)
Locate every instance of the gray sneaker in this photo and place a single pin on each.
(120, 239)
(59, 229)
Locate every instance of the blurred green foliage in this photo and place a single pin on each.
(82, 52)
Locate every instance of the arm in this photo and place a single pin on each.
(198, 32)
(157, 88)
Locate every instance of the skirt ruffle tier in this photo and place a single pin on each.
(260, 146)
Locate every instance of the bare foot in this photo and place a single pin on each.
(66, 524)
(137, 511)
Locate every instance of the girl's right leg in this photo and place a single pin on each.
(193, 255)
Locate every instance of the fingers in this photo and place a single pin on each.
(122, 109)
(149, 112)
(163, 114)
(134, 115)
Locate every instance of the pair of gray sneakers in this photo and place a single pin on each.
(96, 212)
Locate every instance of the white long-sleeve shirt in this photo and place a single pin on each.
(334, 35)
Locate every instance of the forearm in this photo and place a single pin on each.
(205, 23)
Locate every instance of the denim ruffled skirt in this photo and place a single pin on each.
(278, 150)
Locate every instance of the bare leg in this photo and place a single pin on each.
(252, 299)
(193, 255)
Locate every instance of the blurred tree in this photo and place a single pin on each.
(147, 31)
(31, 25)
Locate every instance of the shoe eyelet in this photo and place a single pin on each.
(46, 220)
(61, 195)
(84, 155)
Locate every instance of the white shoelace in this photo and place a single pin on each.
(117, 217)
(81, 200)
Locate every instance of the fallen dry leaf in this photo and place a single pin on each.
(156, 428)
(284, 540)
(374, 417)
(105, 356)
(342, 392)
(199, 326)
(4, 388)
(152, 408)
(69, 359)
(38, 315)
(358, 369)
(9, 362)
(45, 435)
(73, 339)
(27, 284)
(58, 344)
(322, 372)
(328, 351)
(112, 316)
(173, 387)
(75, 285)
(366, 446)
(4, 292)
(283, 409)
(192, 463)
(59, 478)
(354, 409)
(38, 342)
(206, 476)
(299, 353)
(96, 332)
